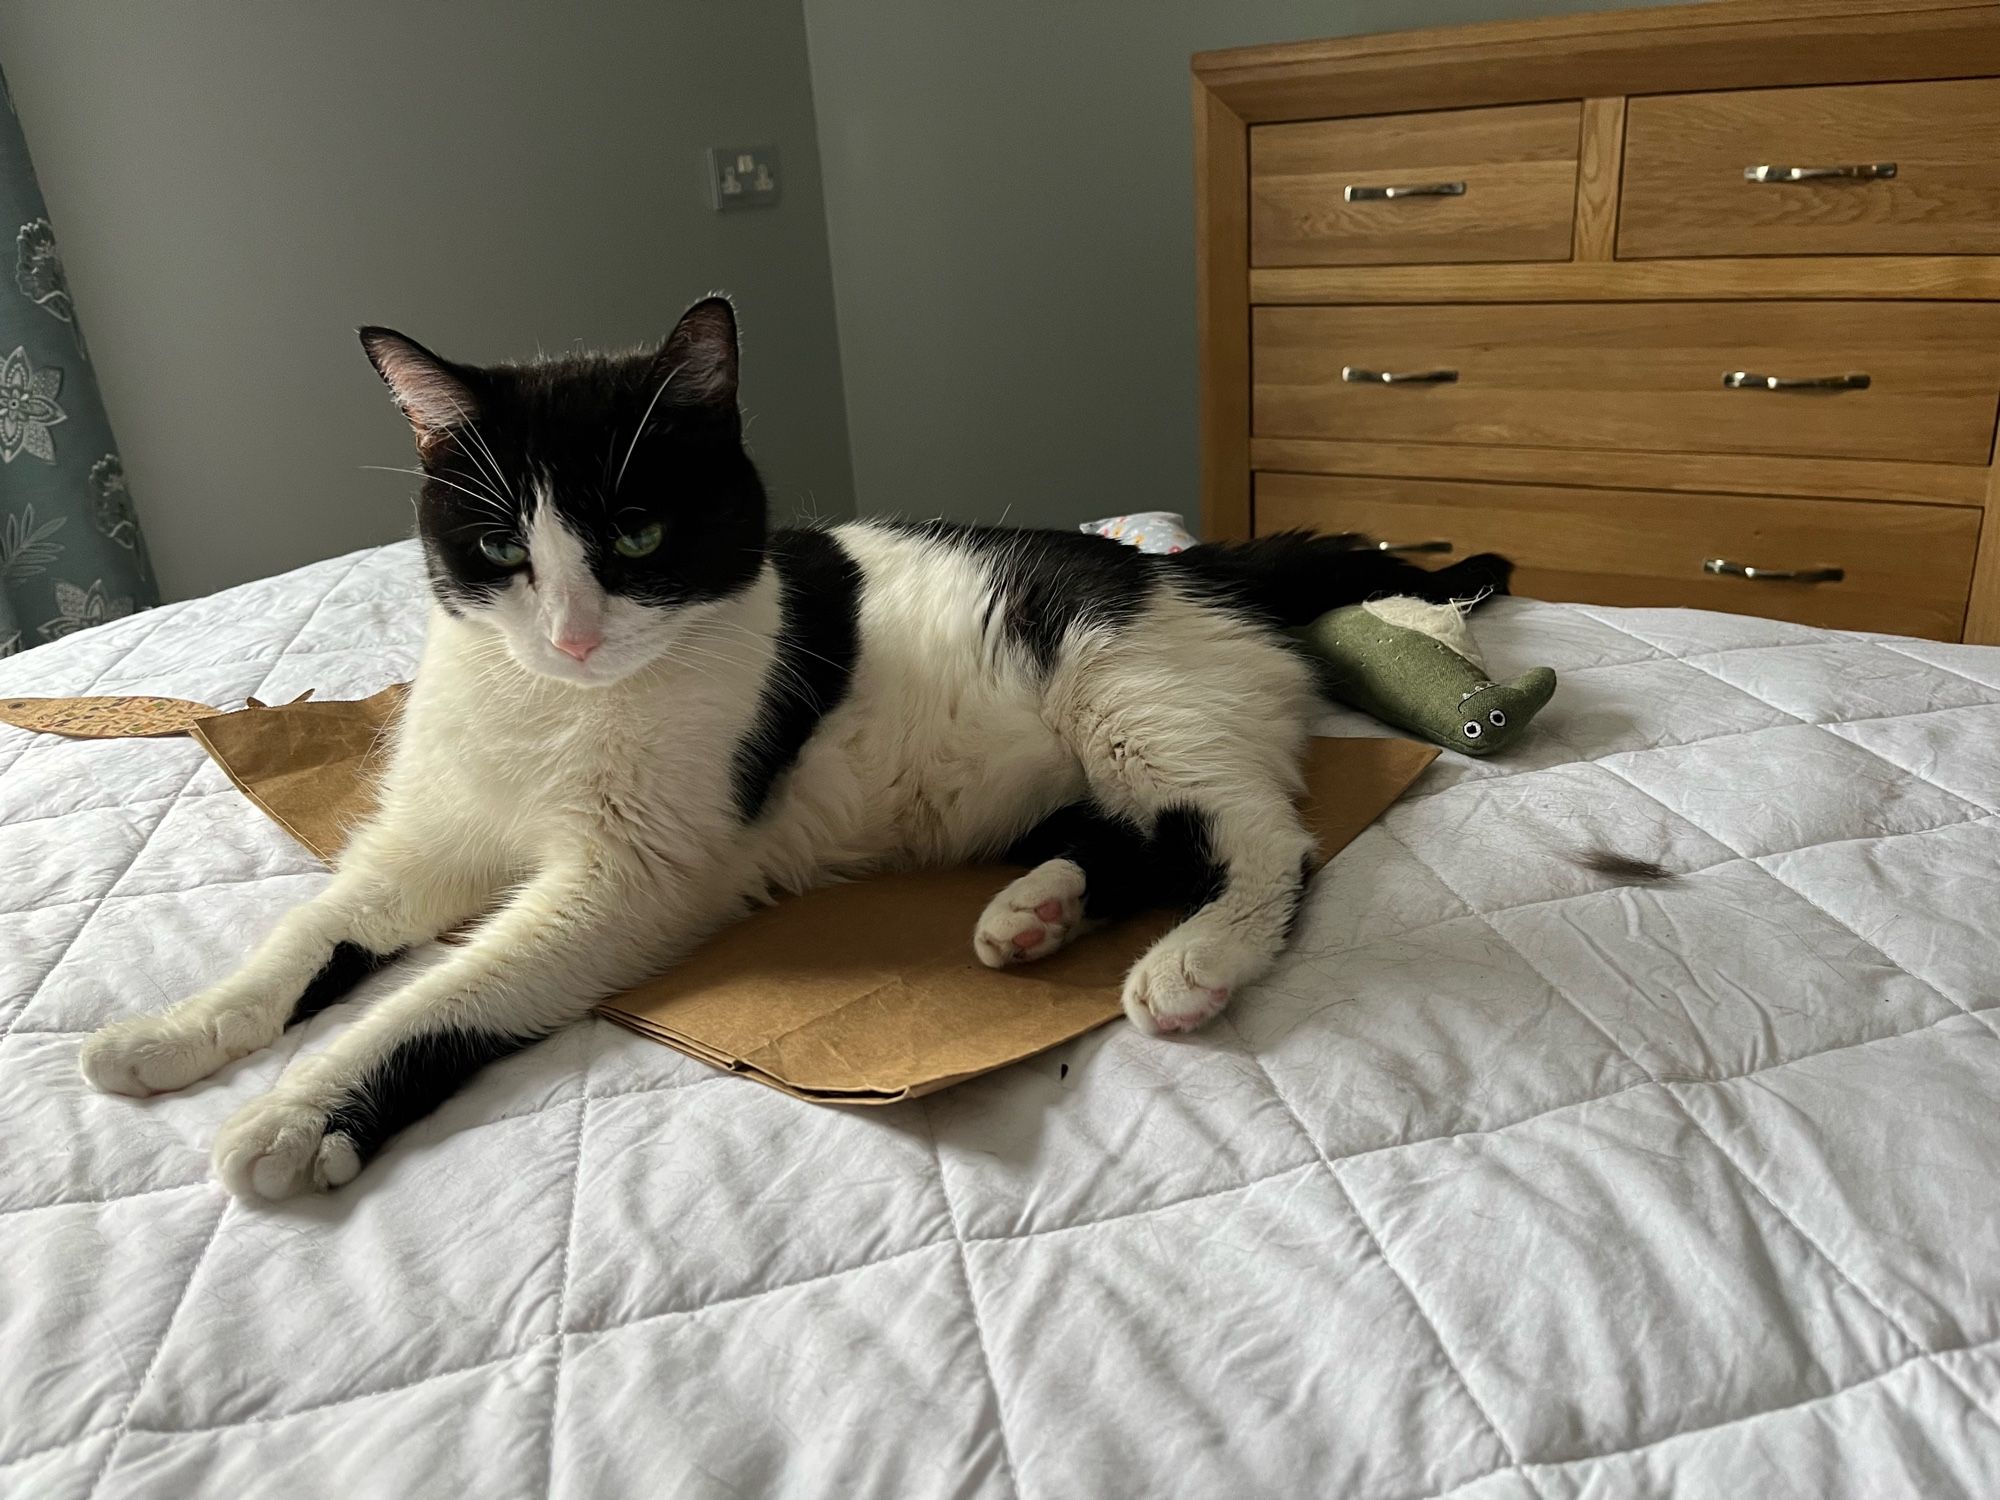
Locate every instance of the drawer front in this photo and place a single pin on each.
(1637, 376)
(1685, 192)
(1493, 184)
(1907, 568)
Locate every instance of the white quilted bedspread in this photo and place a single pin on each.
(1514, 1183)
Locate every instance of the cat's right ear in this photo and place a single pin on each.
(699, 357)
(434, 393)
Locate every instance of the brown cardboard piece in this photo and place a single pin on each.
(862, 993)
(311, 767)
(104, 718)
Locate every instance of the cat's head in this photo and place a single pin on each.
(584, 508)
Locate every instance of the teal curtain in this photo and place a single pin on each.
(71, 555)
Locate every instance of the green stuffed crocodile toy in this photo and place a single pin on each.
(1414, 665)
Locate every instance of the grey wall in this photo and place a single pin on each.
(1010, 214)
(235, 186)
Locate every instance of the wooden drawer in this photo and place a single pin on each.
(1637, 375)
(1685, 192)
(1908, 567)
(1514, 170)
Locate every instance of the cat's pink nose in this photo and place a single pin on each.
(579, 647)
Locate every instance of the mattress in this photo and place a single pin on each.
(1516, 1181)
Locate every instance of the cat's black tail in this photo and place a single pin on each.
(1293, 577)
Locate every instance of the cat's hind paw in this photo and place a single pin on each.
(1185, 980)
(1033, 917)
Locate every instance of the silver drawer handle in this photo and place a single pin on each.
(1780, 575)
(1744, 380)
(1356, 193)
(1355, 375)
(1409, 546)
(1872, 171)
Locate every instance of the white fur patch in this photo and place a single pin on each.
(1443, 623)
(1033, 917)
(570, 600)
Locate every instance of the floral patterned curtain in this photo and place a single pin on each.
(70, 550)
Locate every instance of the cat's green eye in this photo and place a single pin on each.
(505, 551)
(640, 543)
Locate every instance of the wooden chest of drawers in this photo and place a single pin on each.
(1688, 306)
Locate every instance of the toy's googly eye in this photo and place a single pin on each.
(1471, 729)
(1497, 719)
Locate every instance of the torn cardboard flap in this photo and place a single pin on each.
(862, 993)
(311, 767)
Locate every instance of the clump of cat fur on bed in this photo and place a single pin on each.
(640, 711)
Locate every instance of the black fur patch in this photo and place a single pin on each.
(1047, 583)
(1184, 847)
(818, 639)
(1292, 577)
(1125, 870)
(1622, 866)
(413, 1080)
(1119, 878)
(350, 964)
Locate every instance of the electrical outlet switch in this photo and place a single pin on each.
(742, 177)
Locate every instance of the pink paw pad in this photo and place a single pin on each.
(1050, 910)
(1218, 998)
(1028, 937)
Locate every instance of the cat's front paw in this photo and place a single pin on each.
(277, 1147)
(1033, 916)
(149, 1055)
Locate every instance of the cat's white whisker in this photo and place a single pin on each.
(639, 431)
(421, 474)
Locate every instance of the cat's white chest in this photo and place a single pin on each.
(542, 774)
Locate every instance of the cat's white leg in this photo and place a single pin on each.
(562, 943)
(1033, 917)
(387, 895)
(1257, 856)
(1190, 726)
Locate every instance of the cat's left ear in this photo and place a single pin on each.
(435, 394)
(698, 361)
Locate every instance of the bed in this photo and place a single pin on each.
(1516, 1182)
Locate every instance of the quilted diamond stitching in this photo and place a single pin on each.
(1819, 1399)
(111, 1452)
(159, 1348)
(972, 1306)
(1381, 1253)
(381, 564)
(562, 1286)
(1759, 861)
(1895, 1324)
(193, 771)
(265, 1419)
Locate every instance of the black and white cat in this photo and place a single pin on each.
(639, 713)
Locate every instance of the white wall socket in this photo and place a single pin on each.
(742, 177)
